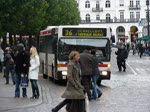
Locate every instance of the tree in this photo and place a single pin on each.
(62, 12)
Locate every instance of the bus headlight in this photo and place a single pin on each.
(109, 65)
(64, 73)
(104, 73)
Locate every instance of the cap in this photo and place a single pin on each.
(20, 45)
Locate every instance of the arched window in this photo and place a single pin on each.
(107, 17)
(88, 18)
(107, 4)
(97, 17)
(87, 4)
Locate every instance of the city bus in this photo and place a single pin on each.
(56, 42)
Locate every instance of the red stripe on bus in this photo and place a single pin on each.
(102, 65)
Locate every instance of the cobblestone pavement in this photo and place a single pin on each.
(125, 92)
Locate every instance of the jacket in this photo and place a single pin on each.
(74, 89)
(86, 62)
(22, 59)
(122, 54)
(95, 68)
(34, 68)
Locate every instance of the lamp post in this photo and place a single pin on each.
(148, 29)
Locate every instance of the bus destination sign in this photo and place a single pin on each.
(94, 32)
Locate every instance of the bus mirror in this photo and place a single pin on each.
(113, 39)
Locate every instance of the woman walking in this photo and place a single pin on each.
(74, 95)
(34, 71)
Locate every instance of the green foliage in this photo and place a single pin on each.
(30, 16)
(63, 12)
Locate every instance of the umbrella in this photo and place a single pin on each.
(116, 46)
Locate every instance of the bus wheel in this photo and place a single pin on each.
(99, 82)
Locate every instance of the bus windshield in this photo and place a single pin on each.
(101, 45)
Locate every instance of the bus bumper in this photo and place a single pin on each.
(105, 75)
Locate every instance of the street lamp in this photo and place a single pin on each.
(148, 29)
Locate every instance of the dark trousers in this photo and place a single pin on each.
(86, 82)
(72, 105)
(11, 69)
(121, 63)
(17, 90)
(35, 88)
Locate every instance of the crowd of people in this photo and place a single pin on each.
(23, 64)
(83, 74)
(141, 49)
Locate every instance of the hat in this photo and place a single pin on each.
(7, 48)
(20, 45)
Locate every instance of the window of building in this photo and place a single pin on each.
(137, 3)
(97, 17)
(87, 4)
(121, 2)
(131, 3)
(131, 15)
(121, 29)
(137, 15)
(97, 5)
(88, 18)
(107, 17)
(121, 16)
(147, 15)
(107, 4)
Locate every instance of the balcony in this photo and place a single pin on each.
(134, 7)
(97, 9)
(103, 21)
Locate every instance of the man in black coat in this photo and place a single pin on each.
(22, 66)
(86, 62)
(122, 55)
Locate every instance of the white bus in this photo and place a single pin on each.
(56, 42)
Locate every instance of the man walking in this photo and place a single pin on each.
(122, 55)
(86, 62)
(22, 66)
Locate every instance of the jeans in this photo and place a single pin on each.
(35, 89)
(96, 90)
(11, 69)
(17, 90)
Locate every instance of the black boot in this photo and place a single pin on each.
(59, 106)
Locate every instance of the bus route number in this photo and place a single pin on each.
(68, 32)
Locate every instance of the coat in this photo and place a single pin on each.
(122, 54)
(22, 59)
(86, 62)
(74, 89)
(34, 68)
(95, 70)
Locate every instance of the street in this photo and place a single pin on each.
(126, 91)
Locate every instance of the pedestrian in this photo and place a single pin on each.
(1, 59)
(96, 92)
(34, 72)
(122, 55)
(141, 50)
(74, 95)
(86, 61)
(22, 66)
(9, 65)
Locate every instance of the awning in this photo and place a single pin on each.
(145, 38)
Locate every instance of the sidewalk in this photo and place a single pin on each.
(7, 100)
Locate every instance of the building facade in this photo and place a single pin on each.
(127, 18)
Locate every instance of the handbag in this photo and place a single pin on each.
(24, 81)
